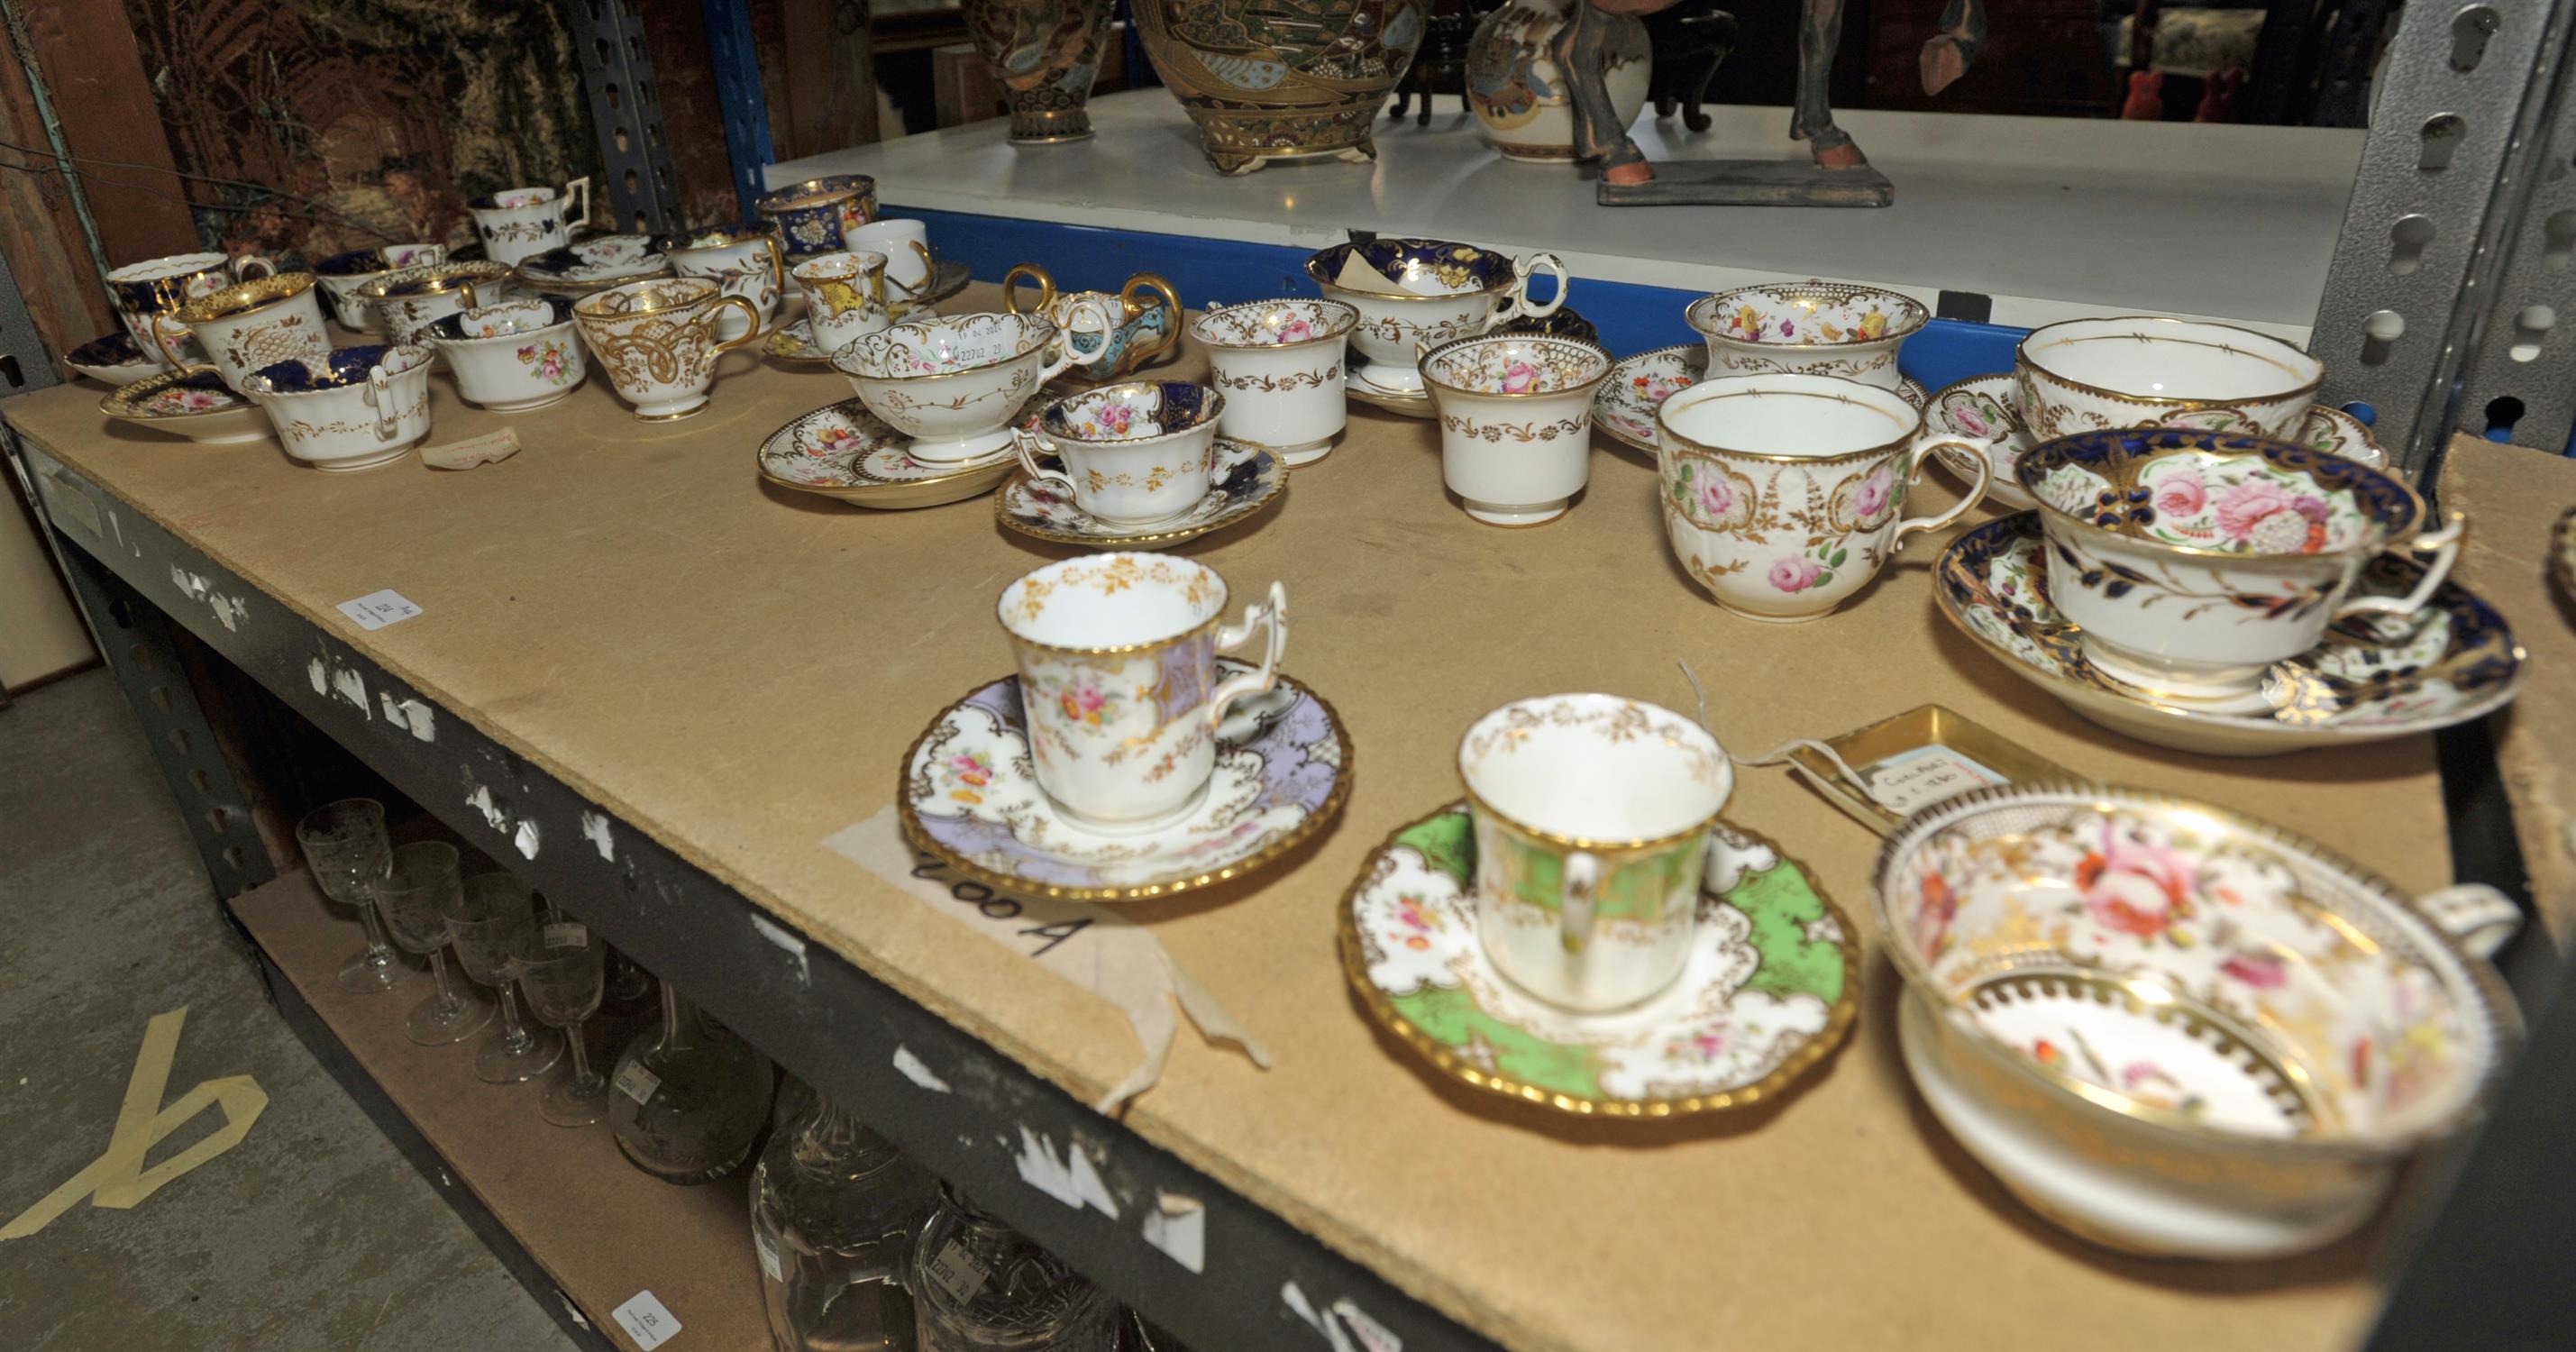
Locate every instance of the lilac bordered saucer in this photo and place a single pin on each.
(1247, 479)
(1981, 409)
(970, 795)
(844, 452)
(1623, 407)
(2374, 677)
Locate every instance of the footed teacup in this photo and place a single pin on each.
(1133, 453)
(1414, 294)
(952, 383)
(348, 408)
(1811, 328)
(514, 356)
(1515, 422)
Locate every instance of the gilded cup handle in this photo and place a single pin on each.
(1011, 287)
(2445, 547)
(161, 324)
(1154, 285)
(777, 262)
(380, 393)
(929, 268)
(1270, 613)
(1925, 448)
(1575, 915)
(1029, 445)
(750, 311)
(1065, 356)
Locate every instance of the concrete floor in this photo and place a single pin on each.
(313, 1232)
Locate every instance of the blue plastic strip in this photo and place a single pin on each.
(1208, 272)
(740, 95)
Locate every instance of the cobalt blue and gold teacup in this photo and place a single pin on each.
(811, 215)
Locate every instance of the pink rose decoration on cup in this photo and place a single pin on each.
(2134, 887)
(2261, 970)
(1520, 378)
(1790, 573)
(1875, 494)
(2182, 495)
(1966, 418)
(1716, 496)
(2265, 515)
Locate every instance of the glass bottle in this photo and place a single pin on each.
(834, 1207)
(980, 1286)
(689, 1099)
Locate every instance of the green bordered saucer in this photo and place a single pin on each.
(1771, 988)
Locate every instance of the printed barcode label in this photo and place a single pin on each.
(646, 1320)
(375, 610)
(956, 1272)
(1925, 775)
(768, 1254)
(567, 934)
(637, 1083)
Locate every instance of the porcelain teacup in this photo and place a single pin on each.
(1134, 453)
(1814, 328)
(411, 299)
(519, 223)
(349, 407)
(2147, 371)
(1146, 328)
(161, 286)
(1592, 815)
(344, 274)
(513, 356)
(952, 383)
(906, 246)
(2192, 561)
(745, 259)
(657, 341)
(1515, 422)
(246, 326)
(1280, 366)
(812, 215)
(1782, 494)
(844, 296)
(1117, 658)
(1413, 294)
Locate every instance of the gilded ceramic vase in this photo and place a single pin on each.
(1281, 79)
(1520, 97)
(1045, 53)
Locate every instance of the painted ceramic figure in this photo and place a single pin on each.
(1297, 80)
(1045, 53)
(1519, 96)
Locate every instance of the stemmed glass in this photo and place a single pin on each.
(493, 913)
(416, 896)
(561, 971)
(345, 846)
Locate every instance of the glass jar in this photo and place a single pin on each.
(688, 1099)
(980, 1286)
(834, 1207)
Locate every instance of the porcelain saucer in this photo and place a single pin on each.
(1982, 408)
(116, 359)
(1771, 987)
(843, 451)
(595, 263)
(793, 343)
(199, 407)
(1247, 479)
(1624, 405)
(947, 278)
(1412, 403)
(2375, 677)
(970, 795)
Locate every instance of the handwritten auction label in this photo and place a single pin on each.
(1925, 775)
(646, 1320)
(375, 610)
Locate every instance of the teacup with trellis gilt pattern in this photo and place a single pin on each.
(2192, 561)
(657, 341)
(951, 383)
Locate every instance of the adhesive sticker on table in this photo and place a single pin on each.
(646, 1321)
(637, 1083)
(375, 610)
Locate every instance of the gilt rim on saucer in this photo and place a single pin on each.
(1147, 537)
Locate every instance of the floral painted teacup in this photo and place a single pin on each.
(348, 408)
(519, 223)
(745, 259)
(844, 296)
(1280, 364)
(411, 299)
(2192, 561)
(1592, 815)
(246, 326)
(1413, 294)
(657, 341)
(514, 356)
(2147, 371)
(1515, 422)
(1117, 658)
(952, 383)
(1147, 312)
(1133, 454)
(345, 274)
(161, 286)
(1813, 328)
(1782, 494)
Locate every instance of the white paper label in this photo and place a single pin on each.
(637, 1083)
(569, 934)
(1927, 774)
(768, 1254)
(375, 610)
(956, 1272)
(646, 1321)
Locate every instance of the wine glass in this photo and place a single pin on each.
(345, 846)
(416, 896)
(561, 972)
(493, 912)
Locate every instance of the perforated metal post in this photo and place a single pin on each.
(2521, 382)
(626, 107)
(738, 90)
(2463, 87)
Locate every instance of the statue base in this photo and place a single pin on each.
(1751, 183)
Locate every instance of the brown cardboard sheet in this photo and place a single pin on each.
(737, 670)
(2513, 495)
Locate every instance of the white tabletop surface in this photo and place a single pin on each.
(2052, 217)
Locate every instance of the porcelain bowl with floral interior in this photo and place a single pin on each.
(1246, 479)
(843, 452)
(1413, 294)
(345, 273)
(969, 794)
(1770, 986)
(196, 405)
(514, 356)
(1811, 328)
(349, 409)
(2174, 1029)
(2191, 561)
(1135, 454)
(2082, 375)
(115, 359)
(1984, 408)
(1515, 422)
(952, 383)
(1624, 404)
(2373, 678)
